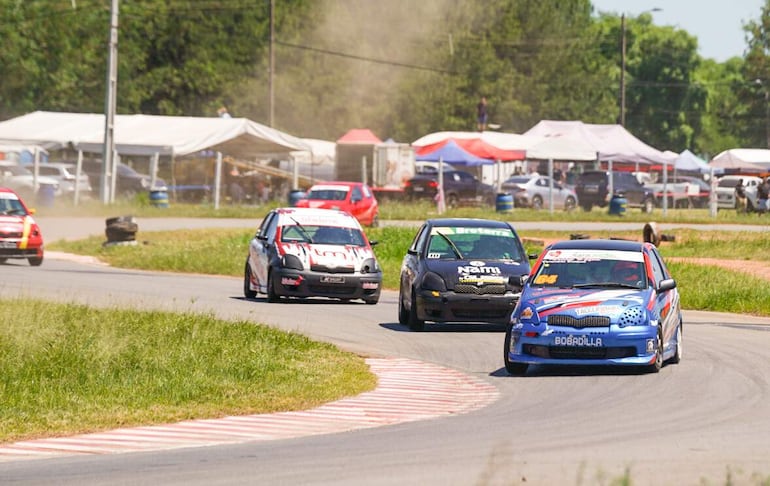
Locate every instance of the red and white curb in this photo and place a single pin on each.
(407, 391)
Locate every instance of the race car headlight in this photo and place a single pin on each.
(370, 266)
(291, 261)
(633, 316)
(433, 281)
(529, 315)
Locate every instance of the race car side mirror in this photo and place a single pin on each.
(373, 242)
(667, 284)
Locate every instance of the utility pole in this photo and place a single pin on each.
(622, 119)
(271, 73)
(109, 105)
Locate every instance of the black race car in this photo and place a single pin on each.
(461, 270)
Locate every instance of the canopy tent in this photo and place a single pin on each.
(451, 153)
(743, 160)
(513, 146)
(148, 135)
(688, 161)
(610, 142)
(362, 136)
(21, 153)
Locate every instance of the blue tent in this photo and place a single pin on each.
(688, 161)
(451, 153)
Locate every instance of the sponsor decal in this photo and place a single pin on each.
(472, 231)
(602, 310)
(586, 341)
(370, 285)
(335, 279)
(291, 281)
(472, 270)
(482, 279)
(592, 255)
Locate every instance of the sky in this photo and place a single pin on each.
(718, 24)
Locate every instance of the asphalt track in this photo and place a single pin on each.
(704, 421)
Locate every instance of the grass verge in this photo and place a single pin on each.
(68, 369)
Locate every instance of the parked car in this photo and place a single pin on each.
(535, 192)
(726, 191)
(65, 174)
(461, 270)
(354, 197)
(310, 252)
(593, 189)
(698, 190)
(128, 182)
(20, 236)
(22, 180)
(596, 302)
(460, 187)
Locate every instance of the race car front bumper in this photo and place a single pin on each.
(450, 306)
(299, 283)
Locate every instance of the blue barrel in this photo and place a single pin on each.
(618, 204)
(46, 194)
(295, 196)
(159, 198)
(504, 203)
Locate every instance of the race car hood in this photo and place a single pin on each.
(477, 272)
(579, 303)
(348, 258)
(13, 224)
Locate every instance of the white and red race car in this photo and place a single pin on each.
(20, 236)
(311, 252)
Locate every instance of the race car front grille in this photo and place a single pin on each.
(480, 315)
(325, 269)
(476, 290)
(331, 290)
(579, 323)
(579, 352)
(10, 234)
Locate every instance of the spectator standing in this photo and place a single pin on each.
(223, 113)
(763, 193)
(482, 116)
(740, 197)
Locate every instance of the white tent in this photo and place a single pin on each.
(610, 142)
(747, 160)
(149, 135)
(688, 161)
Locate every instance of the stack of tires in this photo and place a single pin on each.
(121, 230)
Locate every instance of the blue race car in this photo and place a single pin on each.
(596, 302)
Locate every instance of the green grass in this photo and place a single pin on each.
(68, 368)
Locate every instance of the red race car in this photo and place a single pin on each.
(354, 197)
(20, 236)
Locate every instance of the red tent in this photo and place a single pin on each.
(362, 136)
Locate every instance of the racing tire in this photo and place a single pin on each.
(247, 292)
(513, 369)
(272, 296)
(403, 313)
(537, 203)
(658, 363)
(415, 323)
(570, 204)
(371, 301)
(677, 357)
(35, 261)
(648, 205)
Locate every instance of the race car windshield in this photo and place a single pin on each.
(11, 207)
(332, 235)
(328, 194)
(473, 244)
(590, 273)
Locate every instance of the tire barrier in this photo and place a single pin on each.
(121, 230)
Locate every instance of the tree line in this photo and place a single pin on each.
(400, 68)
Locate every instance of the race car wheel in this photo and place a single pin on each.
(247, 292)
(371, 301)
(677, 357)
(415, 324)
(403, 313)
(537, 203)
(515, 369)
(272, 296)
(35, 261)
(658, 363)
